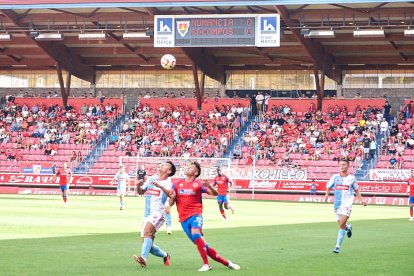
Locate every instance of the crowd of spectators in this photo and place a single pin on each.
(46, 127)
(168, 131)
(333, 133)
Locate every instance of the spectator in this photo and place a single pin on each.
(367, 143)
(259, 102)
(79, 157)
(392, 163)
(373, 148)
(387, 111)
(73, 157)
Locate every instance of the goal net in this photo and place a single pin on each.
(149, 164)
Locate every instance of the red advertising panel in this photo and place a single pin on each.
(36, 179)
(239, 184)
(283, 197)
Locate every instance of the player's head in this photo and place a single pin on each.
(122, 168)
(218, 170)
(158, 169)
(412, 173)
(344, 165)
(170, 167)
(193, 169)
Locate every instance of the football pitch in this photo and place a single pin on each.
(93, 237)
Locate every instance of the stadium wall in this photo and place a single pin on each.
(395, 97)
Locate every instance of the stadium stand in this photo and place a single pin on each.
(31, 131)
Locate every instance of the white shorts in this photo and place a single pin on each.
(121, 190)
(156, 219)
(343, 211)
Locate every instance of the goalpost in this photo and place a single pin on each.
(208, 165)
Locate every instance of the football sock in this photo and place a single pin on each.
(411, 211)
(215, 256)
(341, 235)
(65, 198)
(168, 220)
(201, 246)
(223, 213)
(156, 251)
(347, 227)
(146, 247)
(122, 203)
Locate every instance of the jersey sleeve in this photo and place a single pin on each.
(330, 184)
(149, 181)
(354, 184)
(168, 184)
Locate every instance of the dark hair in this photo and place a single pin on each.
(198, 168)
(173, 169)
(344, 159)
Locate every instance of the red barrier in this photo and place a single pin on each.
(74, 102)
(239, 184)
(191, 104)
(373, 200)
(46, 179)
(277, 197)
(302, 105)
(304, 186)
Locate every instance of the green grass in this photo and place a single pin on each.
(93, 237)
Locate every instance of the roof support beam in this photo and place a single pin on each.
(206, 63)
(322, 59)
(126, 45)
(395, 46)
(58, 52)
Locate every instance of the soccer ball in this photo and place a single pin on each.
(168, 61)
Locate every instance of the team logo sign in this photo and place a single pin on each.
(164, 26)
(195, 185)
(268, 25)
(183, 27)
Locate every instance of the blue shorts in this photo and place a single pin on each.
(411, 199)
(195, 221)
(222, 199)
(63, 188)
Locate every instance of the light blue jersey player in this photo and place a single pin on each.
(344, 186)
(156, 190)
(123, 180)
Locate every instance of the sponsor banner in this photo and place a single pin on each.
(56, 191)
(33, 179)
(305, 186)
(38, 168)
(268, 33)
(389, 175)
(259, 174)
(239, 184)
(400, 201)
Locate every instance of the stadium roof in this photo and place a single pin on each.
(395, 50)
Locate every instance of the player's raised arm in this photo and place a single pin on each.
(210, 189)
(166, 191)
(171, 195)
(139, 188)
